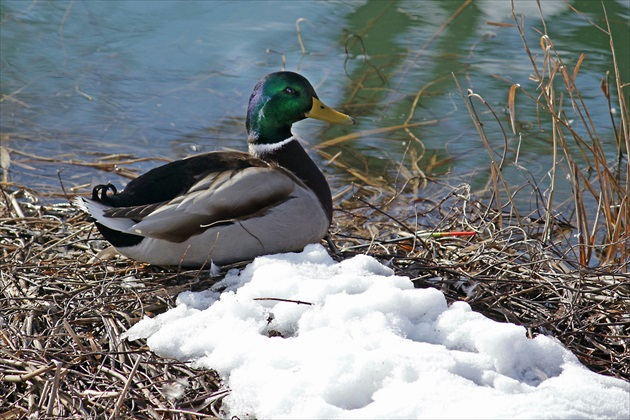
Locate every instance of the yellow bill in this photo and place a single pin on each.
(319, 111)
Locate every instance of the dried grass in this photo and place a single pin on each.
(64, 310)
(62, 317)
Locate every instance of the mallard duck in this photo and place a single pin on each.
(225, 207)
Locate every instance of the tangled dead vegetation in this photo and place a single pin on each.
(505, 272)
(64, 310)
(63, 314)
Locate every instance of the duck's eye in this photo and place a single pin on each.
(290, 90)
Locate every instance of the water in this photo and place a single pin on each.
(86, 79)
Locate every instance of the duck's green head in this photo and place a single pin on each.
(281, 99)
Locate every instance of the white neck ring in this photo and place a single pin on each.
(267, 148)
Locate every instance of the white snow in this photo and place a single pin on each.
(369, 346)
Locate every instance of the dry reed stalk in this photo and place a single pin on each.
(595, 182)
(600, 187)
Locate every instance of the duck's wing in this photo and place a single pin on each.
(218, 197)
(164, 183)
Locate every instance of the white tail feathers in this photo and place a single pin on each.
(96, 209)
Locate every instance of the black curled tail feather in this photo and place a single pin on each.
(99, 193)
(117, 238)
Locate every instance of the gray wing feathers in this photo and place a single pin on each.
(223, 197)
